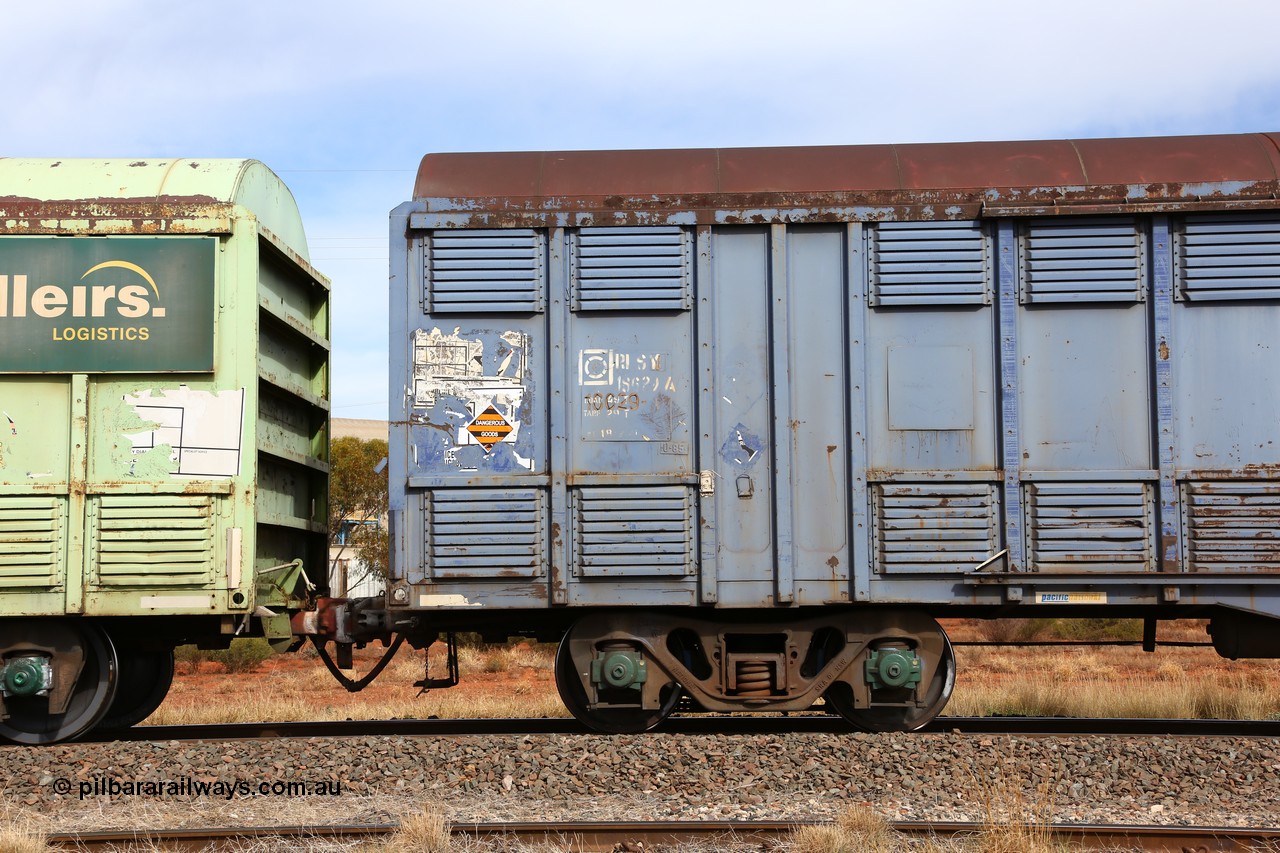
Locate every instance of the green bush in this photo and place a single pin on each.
(1082, 630)
(245, 654)
(1015, 631)
(188, 658)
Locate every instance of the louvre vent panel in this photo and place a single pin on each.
(153, 540)
(631, 269)
(935, 527)
(1230, 258)
(1232, 526)
(633, 531)
(1078, 525)
(31, 530)
(928, 263)
(482, 533)
(484, 271)
(1082, 261)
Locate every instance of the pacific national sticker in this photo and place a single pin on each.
(1071, 598)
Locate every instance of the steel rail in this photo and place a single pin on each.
(590, 836)
(693, 725)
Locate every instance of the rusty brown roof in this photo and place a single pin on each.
(1251, 158)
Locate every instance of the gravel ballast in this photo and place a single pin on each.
(1187, 781)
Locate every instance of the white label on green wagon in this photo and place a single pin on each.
(175, 602)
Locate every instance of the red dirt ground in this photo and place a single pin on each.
(302, 679)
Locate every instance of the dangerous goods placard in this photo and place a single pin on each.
(489, 428)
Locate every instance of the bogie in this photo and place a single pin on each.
(882, 670)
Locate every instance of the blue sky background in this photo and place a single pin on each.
(343, 99)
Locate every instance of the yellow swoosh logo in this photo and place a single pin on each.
(127, 266)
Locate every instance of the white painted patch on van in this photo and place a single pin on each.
(454, 600)
(202, 429)
(449, 366)
(176, 602)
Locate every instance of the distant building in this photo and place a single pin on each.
(348, 577)
(357, 428)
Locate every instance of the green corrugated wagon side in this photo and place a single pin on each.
(164, 410)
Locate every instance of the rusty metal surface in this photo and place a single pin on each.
(159, 196)
(923, 180)
(641, 835)
(193, 215)
(692, 724)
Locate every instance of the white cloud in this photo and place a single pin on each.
(373, 86)
(155, 74)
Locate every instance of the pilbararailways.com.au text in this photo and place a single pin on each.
(191, 788)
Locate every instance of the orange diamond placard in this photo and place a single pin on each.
(489, 428)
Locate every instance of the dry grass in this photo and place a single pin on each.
(268, 708)
(14, 840)
(516, 681)
(1014, 821)
(424, 832)
(1106, 681)
(499, 681)
(1074, 683)
(496, 658)
(856, 830)
(21, 831)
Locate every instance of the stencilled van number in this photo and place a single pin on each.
(611, 403)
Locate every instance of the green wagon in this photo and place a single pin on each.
(164, 411)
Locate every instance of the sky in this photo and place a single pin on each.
(343, 99)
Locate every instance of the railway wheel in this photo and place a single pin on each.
(144, 681)
(569, 683)
(889, 666)
(58, 678)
